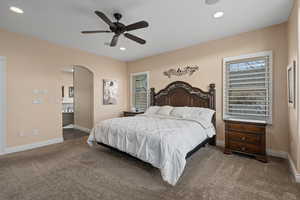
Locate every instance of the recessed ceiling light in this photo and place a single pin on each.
(16, 10)
(218, 14)
(122, 48)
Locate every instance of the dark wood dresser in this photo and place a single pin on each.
(247, 138)
(131, 114)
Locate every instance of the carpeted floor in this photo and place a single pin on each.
(70, 134)
(72, 170)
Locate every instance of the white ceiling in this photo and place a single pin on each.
(173, 23)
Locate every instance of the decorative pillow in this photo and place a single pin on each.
(164, 110)
(152, 110)
(180, 112)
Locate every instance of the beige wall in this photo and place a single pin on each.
(83, 97)
(209, 57)
(67, 81)
(37, 64)
(293, 55)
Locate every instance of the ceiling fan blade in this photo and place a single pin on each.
(135, 38)
(104, 18)
(138, 25)
(114, 41)
(88, 32)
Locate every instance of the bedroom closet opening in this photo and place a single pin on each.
(77, 102)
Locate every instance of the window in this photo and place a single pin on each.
(139, 91)
(248, 87)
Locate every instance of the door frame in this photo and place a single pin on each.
(2, 104)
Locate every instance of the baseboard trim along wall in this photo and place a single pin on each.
(295, 173)
(87, 130)
(32, 146)
(279, 154)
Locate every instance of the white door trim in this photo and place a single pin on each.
(2, 104)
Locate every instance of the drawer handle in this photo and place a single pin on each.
(243, 138)
(243, 148)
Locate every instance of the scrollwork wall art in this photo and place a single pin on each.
(190, 70)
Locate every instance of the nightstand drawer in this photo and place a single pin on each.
(253, 128)
(244, 137)
(243, 147)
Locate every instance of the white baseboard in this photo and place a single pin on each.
(70, 126)
(279, 154)
(270, 152)
(221, 143)
(87, 130)
(32, 146)
(295, 173)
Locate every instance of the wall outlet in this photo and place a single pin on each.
(35, 132)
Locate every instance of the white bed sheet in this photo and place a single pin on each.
(162, 141)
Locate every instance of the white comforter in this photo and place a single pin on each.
(162, 141)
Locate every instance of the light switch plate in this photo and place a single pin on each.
(35, 131)
(37, 101)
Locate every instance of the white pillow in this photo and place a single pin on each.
(201, 115)
(164, 110)
(208, 113)
(152, 110)
(180, 112)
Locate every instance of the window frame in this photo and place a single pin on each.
(268, 54)
(147, 73)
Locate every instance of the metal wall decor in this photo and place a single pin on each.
(180, 72)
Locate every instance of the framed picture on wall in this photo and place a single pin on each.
(110, 92)
(71, 92)
(291, 78)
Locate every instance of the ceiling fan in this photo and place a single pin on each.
(119, 29)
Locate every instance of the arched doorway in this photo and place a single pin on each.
(77, 101)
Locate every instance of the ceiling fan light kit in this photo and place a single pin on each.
(119, 28)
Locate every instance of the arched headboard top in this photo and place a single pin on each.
(180, 93)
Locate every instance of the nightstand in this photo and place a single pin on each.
(246, 138)
(131, 114)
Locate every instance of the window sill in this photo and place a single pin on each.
(246, 120)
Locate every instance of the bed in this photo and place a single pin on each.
(164, 141)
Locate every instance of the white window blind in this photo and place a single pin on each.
(248, 87)
(139, 97)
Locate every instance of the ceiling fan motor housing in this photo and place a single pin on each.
(118, 29)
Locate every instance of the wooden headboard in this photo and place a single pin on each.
(180, 93)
